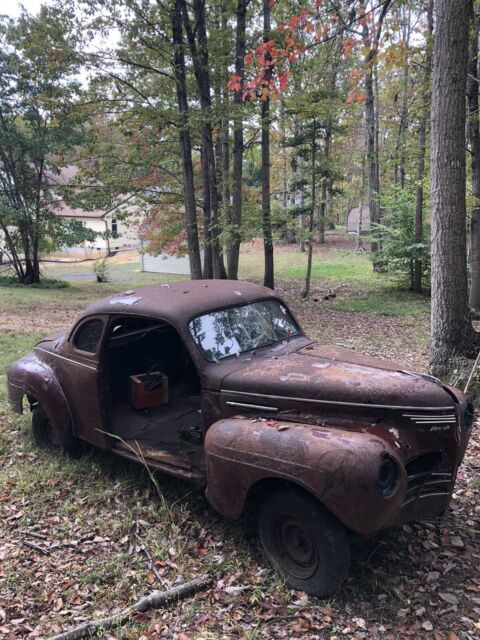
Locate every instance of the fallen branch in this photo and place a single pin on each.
(32, 545)
(151, 563)
(153, 601)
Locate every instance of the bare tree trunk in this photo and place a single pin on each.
(201, 67)
(359, 242)
(371, 43)
(186, 146)
(298, 169)
(474, 139)
(422, 145)
(268, 278)
(452, 331)
(323, 203)
(236, 219)
(326, 182)
(308, 275)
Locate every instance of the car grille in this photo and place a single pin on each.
(431, 418)
(428, 475)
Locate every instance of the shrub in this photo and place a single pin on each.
(398, 249)
(100, 269)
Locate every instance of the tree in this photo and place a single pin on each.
(40, 121)
(422, 143)
(371, 42)
(452, 331)
(268, 278)
(474, 140)
(236, 212)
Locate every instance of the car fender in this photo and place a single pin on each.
(32, 377)
(338, 467)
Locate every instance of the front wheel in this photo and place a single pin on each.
(43, 435)
(304, 542)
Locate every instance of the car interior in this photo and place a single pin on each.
(154, 392)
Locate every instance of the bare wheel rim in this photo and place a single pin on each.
(295, 547)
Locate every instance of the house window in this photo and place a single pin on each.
(114, 227)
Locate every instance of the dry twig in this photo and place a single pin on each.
(153, 601)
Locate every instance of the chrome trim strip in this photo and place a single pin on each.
(423, 417)
(334, 402)
(57, 355)
(250, 406)
(426, 495)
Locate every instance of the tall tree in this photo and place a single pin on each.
(422, 145)
(268, 277)
(371, 32)
(40, 121)
(237, 152)
(452, 331)
(185, 144)
(197, 39)
(474, 140)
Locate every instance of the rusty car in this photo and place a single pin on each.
(216, 383)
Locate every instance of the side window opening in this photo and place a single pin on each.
(88, 336)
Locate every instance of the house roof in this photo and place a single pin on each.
(63, 210)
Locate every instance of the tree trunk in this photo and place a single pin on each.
(422, 144)
(236, 213)
(186, 146)
(201, 67)
(323, 203)
(371, 44)
(268, 278)
(474, 139)
(308, 275)
(452, 331)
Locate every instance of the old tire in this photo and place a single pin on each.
(304, 542)
(43, 435)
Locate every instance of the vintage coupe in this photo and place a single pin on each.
(216, 383)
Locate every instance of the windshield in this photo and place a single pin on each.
(232, 331)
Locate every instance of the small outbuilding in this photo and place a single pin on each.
(356, 217)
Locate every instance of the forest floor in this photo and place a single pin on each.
(95, 517)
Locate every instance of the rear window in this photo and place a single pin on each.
(229, 332)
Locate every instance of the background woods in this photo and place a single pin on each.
(248, 119)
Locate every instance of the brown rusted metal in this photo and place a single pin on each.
(331, 421)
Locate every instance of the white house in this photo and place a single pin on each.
(114, 234)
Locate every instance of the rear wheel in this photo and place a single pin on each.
(304, 542)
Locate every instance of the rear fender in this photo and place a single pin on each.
(340, 468)
(31, 377)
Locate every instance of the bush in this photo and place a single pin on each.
(398, 249)
(13, 281)
(100, 269)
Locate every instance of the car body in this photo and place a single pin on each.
(326, 442)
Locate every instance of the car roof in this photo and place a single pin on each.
(178, 302)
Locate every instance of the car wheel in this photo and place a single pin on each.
(43, 435)
(306, 544)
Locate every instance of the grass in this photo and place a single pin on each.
(387, 302)
(333, 265)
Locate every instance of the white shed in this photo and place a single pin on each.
(164, 262)
(353, 220)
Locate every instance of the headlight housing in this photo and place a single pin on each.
(388, 476)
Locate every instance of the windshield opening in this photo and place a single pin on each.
(229, 332)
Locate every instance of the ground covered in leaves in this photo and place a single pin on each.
(83, 538)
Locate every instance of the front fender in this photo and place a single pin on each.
(338, 467)
(35, 378)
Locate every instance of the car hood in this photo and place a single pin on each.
(333, 374)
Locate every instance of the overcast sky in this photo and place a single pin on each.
(12, 8)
